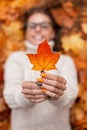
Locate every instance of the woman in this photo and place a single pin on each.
(33, 109)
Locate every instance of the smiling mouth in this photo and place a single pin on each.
(38, 38)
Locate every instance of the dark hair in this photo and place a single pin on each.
(46, 11)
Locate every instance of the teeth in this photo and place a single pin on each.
(39, 39)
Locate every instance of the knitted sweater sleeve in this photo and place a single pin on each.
(13, 78)
(66, 69)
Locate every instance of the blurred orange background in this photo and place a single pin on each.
(71, 15)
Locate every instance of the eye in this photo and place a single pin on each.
(45, 25)
(31, 26)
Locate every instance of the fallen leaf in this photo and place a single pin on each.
(73, 43)
(44, 59)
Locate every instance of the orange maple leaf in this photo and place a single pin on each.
(44, 59)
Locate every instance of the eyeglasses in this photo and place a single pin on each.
(43, 25)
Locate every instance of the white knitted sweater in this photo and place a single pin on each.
(47, 115)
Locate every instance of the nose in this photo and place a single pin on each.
(38, 28)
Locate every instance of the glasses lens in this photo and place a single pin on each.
(31, 26)
(45, 25)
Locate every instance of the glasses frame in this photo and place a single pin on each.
(42, 25)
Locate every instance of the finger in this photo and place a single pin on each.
(30, 84)
(35, 96)
(55, 77)
(51, 88)
(37, 100)
(55, 84)
(32, 92)
(52, 95)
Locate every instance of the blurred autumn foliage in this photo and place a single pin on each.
(71, 15)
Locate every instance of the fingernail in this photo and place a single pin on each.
(39, 83)
(40, 80)
(43, 90)
(43, 74)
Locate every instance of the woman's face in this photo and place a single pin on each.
(39, 27)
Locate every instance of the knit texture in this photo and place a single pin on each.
(47, 115)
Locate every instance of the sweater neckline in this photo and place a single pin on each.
(31, 48)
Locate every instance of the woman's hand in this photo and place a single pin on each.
(54, 85)
(32, 92)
